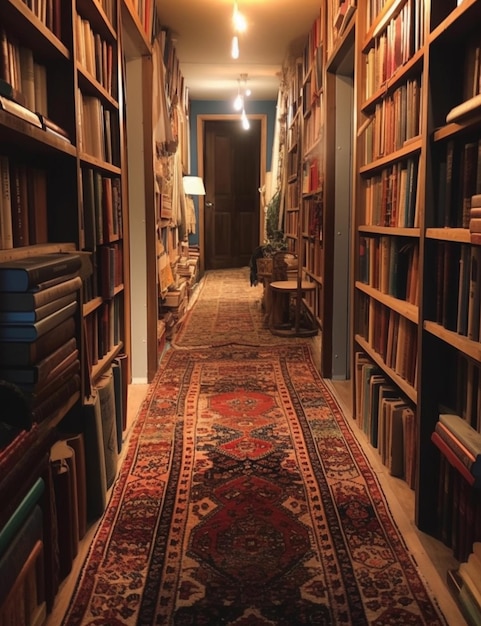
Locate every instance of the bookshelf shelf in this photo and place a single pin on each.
(461, 343)
(406, 309)
(105, 362)
(403, 385)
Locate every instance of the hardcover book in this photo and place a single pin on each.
(25, 353)
(30, 272)
(46, 369)
(37, 314)
(34, 330)
(35, 299)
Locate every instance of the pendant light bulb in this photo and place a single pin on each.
(244, 120)
(235, 47)
(238, 20)
(238, 102)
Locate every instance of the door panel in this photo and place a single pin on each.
(231, 178)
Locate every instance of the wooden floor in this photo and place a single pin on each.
(433, 558)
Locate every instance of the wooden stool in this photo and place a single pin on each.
(281, 292)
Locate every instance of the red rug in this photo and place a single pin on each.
(227, 310)
(245, 500)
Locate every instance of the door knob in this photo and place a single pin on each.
(209, 204)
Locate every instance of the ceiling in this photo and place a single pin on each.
(202, 31)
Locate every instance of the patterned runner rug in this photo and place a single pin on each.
(245, 500)
(227, 310)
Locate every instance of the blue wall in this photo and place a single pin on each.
(223, 107)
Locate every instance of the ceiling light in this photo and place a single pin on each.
(239, 21)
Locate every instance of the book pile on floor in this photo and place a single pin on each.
(466, 584)
(38, 346)
(175, 300)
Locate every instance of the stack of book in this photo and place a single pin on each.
(38, 345)
(466, 583)
(461, 445)
(475, 219)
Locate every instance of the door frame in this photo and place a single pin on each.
(234, 117)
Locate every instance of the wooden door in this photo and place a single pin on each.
(232, 180)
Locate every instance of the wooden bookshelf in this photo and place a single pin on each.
(72, 164)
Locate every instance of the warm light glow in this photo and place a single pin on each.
(193, 186)
(235, 47)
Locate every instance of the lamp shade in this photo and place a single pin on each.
(194, 186)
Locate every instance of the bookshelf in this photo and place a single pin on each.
(63, 165)
(390, 155)
(415, 295)
(450, 334)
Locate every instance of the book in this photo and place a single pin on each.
(10, 106)
(96, 477)
(6, 226)
(459, 449)
(46, 369)
(35, 315)
(37, 205)
(19, 205)
(33, 330)
(29, 272)
(465, 108)
(39, 393)
(106, 392)
(38, 299)
(453, 460)
(463, 431)
(56, 400)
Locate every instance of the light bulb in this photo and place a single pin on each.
(244, 120)
(247, 92)
(235, 47)
(238, 20)
(238, 102)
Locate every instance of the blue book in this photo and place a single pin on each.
(32, 331)
(30, 272)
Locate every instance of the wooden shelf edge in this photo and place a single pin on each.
(403, 384)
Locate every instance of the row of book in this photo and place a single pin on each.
(103, 329)
(98, 130)
(36, 551)
(23, 204)
(459, 180)
(312, 217)
(49, 12)
(459, 494)
(395, 121)
(458, 510)
(387, 419)
(22, 570)
(457, 303)
(95, 54)
(391, 335)
(391, 196)
(38, 331)
(395, 45)
(102, 208)
(26, 78)
(391, 265)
